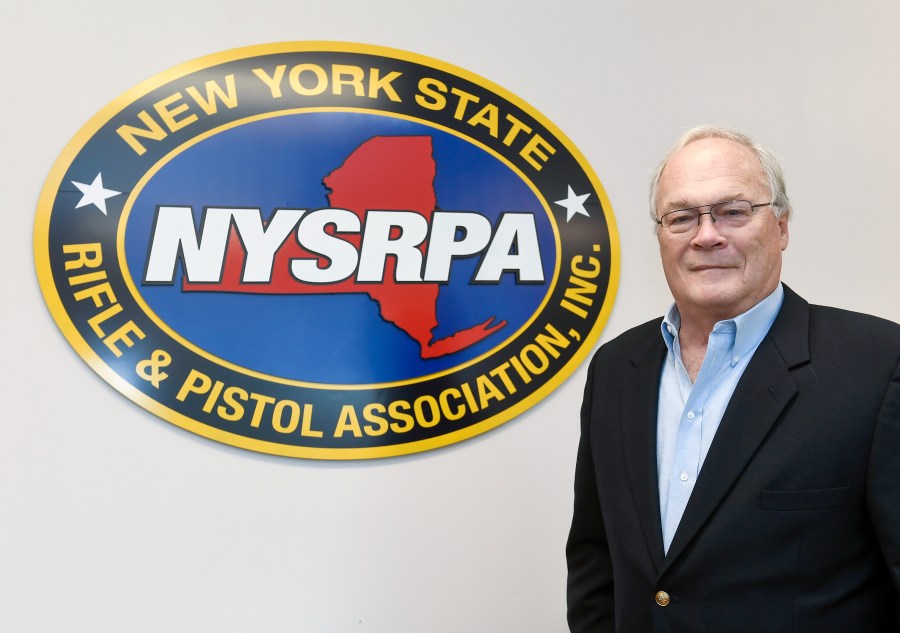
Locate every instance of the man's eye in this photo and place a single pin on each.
(733, 212)
(680, 218)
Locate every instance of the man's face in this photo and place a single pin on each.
(715, 275)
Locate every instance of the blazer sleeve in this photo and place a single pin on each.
(884, 479)
(589, 590)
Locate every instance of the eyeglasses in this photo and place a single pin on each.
(727, 215)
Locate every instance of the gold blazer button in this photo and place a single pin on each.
(662, 598)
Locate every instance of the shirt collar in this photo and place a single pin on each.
(750, 327)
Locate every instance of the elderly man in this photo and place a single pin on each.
(739, 464)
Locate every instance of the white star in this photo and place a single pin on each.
(574, 204)
(94, 194)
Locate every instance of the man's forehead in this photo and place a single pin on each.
(707, 171)
(685, 202)
(714, 152)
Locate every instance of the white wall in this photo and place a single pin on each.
(113, 520)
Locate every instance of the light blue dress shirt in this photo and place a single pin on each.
(689, 414)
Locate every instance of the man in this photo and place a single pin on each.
(739, 465)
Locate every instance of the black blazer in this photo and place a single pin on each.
(794, 522)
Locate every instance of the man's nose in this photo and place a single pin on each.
(708, 232)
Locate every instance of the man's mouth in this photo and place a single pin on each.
(710, 267)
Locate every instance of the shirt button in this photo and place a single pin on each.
(690, 415)
(662, 598)
(684, 477)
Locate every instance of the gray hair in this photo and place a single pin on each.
(774, 176)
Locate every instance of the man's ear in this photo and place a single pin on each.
(785, 231)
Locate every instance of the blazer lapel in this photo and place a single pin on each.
(762, 394)
(639, 439)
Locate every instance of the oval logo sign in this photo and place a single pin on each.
(326, 250)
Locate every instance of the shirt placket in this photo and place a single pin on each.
(687, 459)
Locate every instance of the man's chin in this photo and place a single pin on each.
(713, 272)
(716, 297)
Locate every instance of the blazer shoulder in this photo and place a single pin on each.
(852, 343)
(631, 343)
(862, 331)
